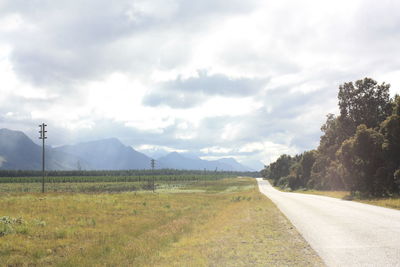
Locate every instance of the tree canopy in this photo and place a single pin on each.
(359, 149)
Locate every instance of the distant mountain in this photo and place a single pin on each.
(236, 166)
(176, 160)
(19, 152)
(108, 154)
(254, 164)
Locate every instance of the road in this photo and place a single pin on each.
(343, 233)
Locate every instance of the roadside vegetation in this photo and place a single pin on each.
(225, 222)
(387, 202)
(359, 150)
(392, 202)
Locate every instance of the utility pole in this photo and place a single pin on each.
(43, 137)
(153, 164)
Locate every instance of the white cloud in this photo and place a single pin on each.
(2, 160)
(269, 70)
(216, 150)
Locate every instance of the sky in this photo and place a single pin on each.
(245, 79)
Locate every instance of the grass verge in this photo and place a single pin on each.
(387, 202)
(222, 223)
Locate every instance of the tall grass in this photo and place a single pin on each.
(147, 229)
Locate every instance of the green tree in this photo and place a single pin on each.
(363, 161)
(280, 168)
(306, 163)
(390, 129)
(265, 173)
(334, 176)
(334, 134)
(364, 102)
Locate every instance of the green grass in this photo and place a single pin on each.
(93, 187)
(218, 223)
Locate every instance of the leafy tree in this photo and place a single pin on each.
(326, 174)
(334, 176)
(390, 129)
(334, 134)
(318, 173)
(362, 158)
(294, 179)
(306, 164)
(280, 168)
(265, 173)
(364, 102)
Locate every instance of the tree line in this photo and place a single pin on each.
(359, 149)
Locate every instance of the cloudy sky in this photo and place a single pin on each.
(245, 79)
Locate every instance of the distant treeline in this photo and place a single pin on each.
(359, 150)
(126, 173)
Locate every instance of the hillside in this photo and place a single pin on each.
(18, 151)
(108, 154)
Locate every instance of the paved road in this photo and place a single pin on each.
(344, 233)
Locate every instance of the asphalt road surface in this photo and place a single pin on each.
(343, 233)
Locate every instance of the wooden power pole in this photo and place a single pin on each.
(153, 164)
(43, 137)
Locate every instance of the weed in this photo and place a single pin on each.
(60, 234)
(10, 225)
(40, 223)
(23, 230)
(6, 229)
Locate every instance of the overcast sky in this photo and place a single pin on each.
(245, 79)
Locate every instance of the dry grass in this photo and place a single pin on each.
(393, 203)
(249, 231)
(335, 194)
(387, 202)
(228, 223)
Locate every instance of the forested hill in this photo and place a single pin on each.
(359, 149)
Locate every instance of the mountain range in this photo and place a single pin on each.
(19, 152)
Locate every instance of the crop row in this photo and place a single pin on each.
(94, 179)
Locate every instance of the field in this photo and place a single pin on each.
(107, 181)
(92, 184)
(224, 222)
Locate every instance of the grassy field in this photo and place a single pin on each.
(213, 223)
(101, 184)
